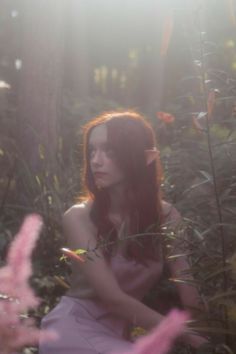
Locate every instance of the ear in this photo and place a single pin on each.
(151, 155)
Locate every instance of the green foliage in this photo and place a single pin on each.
(199, 157)
(198, 153)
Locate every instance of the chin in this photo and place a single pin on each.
(102, 185)
(106, 185)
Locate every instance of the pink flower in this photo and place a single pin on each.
(161, 338)
(16, 295)
(166, 117)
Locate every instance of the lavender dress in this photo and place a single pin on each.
(85, 326)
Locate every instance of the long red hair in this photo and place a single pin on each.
(129, 136)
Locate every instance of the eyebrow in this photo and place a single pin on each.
(106, 144)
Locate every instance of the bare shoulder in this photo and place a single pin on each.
(81, 210)
(78, 226)
(171, 214)
(79, 214)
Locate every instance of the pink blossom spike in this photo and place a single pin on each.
(16, 295)
(21, 249)
(161, 338)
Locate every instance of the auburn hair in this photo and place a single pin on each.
(129, 136)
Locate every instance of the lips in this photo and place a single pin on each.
(99, 174)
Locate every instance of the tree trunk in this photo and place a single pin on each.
(40, 83)
(77, 61)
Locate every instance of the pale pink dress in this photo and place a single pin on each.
(85, 326)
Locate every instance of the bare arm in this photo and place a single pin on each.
(180, 268)
(80, 233)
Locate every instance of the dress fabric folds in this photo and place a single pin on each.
(85, 326)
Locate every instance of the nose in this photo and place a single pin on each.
(96, 158)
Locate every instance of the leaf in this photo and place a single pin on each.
(201, 115)
(198, 235)
(195, 186)
(63, 258)
(190, 77)
(177, 256)
(49, 200)
(230, 210)
(56, 182)
(38, 180)
(41, 151)
(72, 254)
(206, 175)
(208, 54)
(184, 281)
(219, 271)
(213, 330)
(60, 143)
(225, 348)
(197, 122)
(138, 331)
(80, 251)
(221, 295)
(197, 63)
(61, 281)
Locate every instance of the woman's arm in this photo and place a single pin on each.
(179, 266)
(81, 233)
(180, 269)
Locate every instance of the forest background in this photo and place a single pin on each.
(62, 63)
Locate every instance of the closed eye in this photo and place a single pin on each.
(104, 148)
(109, 152)
(91, 151)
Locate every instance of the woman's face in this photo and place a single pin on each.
(105, 171)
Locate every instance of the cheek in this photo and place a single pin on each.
(118, 173)
(113, 168)
(115, 174)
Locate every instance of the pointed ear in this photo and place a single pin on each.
(151, 155)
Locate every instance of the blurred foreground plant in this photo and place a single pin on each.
(160, 340)
(16, 296)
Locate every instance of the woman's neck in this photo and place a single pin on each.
(117, 200)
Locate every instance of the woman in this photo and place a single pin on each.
(119, 225)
